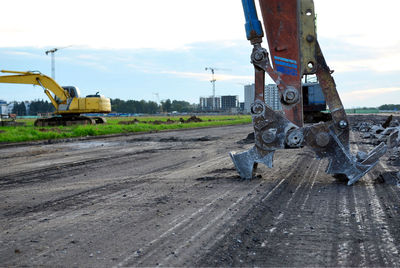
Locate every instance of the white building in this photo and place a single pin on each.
(3, 107)
(10, 108)
(248, 97)
(272, 98)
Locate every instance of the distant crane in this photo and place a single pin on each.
(158, 100)
(157, 97)
(53, 62)
(213, 69)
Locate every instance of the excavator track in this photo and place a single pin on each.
(67, 121)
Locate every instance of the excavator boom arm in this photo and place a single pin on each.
(34, 78)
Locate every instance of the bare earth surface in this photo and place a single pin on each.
(175, 199)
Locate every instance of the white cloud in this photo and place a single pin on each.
(21, 53)
(167, 24)
(377, 61)
(119, 23)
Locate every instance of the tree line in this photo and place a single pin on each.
(134, 106)
(150, 107)
(117, 106)
(390, 107)
(35, 107)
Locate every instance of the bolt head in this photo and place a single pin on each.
(310, 38)
(290, 96)
(295, 139)
(268, 136)
(258, 56)
(257, 108)
(343, 124)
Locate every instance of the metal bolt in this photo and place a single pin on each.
(258, 56)
(295, 139)
(269, 135)
(342, 124)
(257, 108)
(310, 38)
(322, 139)
(290, 96)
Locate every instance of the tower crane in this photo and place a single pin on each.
(213, 80)
(53, 61)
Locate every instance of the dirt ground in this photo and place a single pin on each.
(175, 199)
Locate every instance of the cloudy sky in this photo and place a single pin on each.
(131, 49)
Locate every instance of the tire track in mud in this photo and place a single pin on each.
(377, 223)
(58, 171)
(316, 221)
(247, 240)
(55, 168)
(79, 199)
(209, 224)
(106, 200)
(109, 207)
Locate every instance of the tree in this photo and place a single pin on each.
(19, 109)
(150, 107)
(40, 106)
(181, 106)
(166, 105)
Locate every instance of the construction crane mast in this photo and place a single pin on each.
(53, 61)
(212, 69)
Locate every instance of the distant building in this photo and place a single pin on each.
(241, 106)
(10, 107)
(210, 103)
(248, 97)
(3, 107)
(272, 98)
(229, 102)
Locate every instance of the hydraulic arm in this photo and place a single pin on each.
(294, 51)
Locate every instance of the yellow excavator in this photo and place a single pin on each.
(66, 100)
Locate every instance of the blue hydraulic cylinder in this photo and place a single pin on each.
(253, 26)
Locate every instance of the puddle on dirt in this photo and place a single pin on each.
(91, 144)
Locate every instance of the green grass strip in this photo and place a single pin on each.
(113, 126)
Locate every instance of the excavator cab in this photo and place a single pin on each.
(73, 91)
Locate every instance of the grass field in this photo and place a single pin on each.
(113, 126)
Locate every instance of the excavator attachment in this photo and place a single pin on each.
(295, 52)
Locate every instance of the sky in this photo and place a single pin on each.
(155, 50)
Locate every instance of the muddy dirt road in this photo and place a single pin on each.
(174, 199)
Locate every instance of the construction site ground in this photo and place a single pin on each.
(174, 199)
